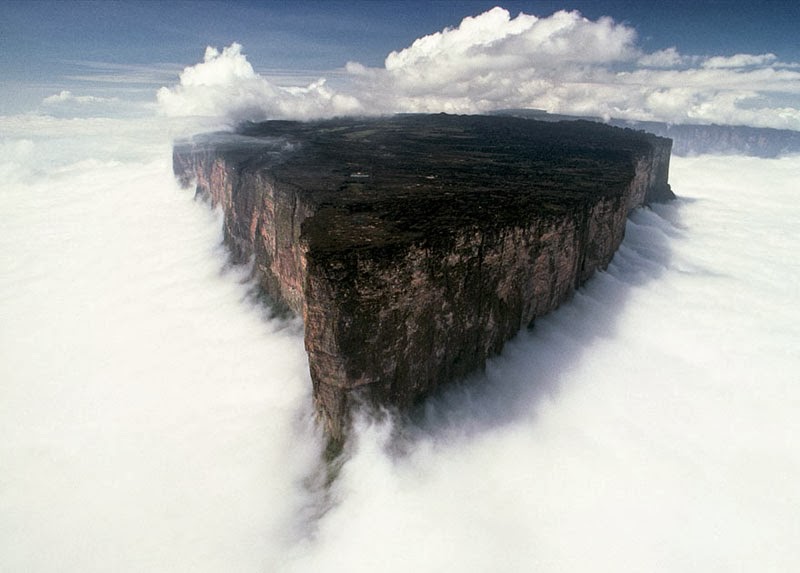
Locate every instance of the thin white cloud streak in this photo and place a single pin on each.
(740, 61)
(149, 73)
(68, 104)
(85, 89)
(563, 63)
(68, 96)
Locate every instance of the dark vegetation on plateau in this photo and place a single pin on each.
(418, 177)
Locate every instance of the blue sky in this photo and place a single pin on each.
(106, 48)
(40, 36)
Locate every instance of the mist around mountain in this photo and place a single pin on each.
(695, 139)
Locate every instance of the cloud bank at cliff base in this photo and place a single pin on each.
(153, 419)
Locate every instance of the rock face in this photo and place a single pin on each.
(415, 246)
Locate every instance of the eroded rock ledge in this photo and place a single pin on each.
(415, 246)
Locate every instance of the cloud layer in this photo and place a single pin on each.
(563, 63)
(144, 394)
(646, 425)
(153, 419)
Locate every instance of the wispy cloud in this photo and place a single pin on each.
(740, 61)
(68, 96)
(115, 73)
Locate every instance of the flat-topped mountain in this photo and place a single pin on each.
(415, 246)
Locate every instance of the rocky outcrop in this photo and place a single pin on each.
(414, 247)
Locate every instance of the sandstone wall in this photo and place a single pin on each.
(262, 219)
(390, 323)
(391, 327)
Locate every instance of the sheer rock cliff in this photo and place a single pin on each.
(415, 246)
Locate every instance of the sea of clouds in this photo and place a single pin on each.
(154, 417)
(144, 396)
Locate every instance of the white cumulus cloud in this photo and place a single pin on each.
(493, 60)
(562, 63)
(566, 63)
(225, 85)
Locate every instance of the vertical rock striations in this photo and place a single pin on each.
(414, 247)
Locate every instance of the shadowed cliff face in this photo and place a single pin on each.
(414, 247)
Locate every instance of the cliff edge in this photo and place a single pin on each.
(415, 246)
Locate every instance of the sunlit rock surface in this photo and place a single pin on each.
(415, 246)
